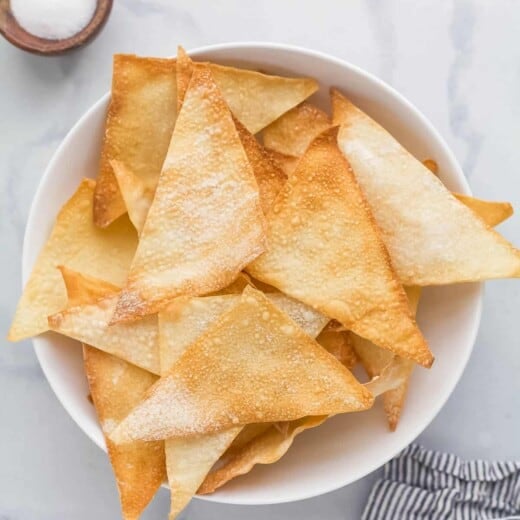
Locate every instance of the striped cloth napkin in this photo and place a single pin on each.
(421, 484)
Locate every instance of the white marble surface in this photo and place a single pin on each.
(458, 61)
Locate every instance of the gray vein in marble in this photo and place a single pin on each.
(161, 7)
(384, 33)
(461, 32)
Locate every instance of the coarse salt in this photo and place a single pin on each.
(53, 19)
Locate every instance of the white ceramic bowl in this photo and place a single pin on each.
(345, 448)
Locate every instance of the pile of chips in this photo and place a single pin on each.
(239, 253)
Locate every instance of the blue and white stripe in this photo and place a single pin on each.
(421, 484)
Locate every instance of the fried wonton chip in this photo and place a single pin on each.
(266, 448)
(268, 174)
(138, 128)
(188, 460)
(292, 133)
(259, 99)
(286, 162)
(257, 365)
(135, 342)
(339, 344)
(77, 243)
(431, 236)
(139, 467)
(205, 223)
(491, 212)
(186, 319)
(325, 250)
(136, 195)
(375, 360)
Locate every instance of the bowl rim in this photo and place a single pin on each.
(78, 417)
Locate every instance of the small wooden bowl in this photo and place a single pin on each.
(19, 37)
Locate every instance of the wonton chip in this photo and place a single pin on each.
(255, 99)
(76, 242)
(139, 467)
(375, 360)
(325, 250)
(186, 319)
(139, 125)
(266, 448)
(258, 366)
(268, 174)
(258, 99)
(491, 212)
(135, 342)
(188, 460)
(431, 236)
(136, 196)
(292, 133)
(205, 223)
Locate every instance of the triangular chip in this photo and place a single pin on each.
(205, 223)
(339, 344)
(255, 99)
(186, 319)
(375, 360)
(252, 446)
(491, 212)
(286, 162)
(135, 342)
(266, 448)
(325, 250)
(292, 133)
(184, 71)
(138, 128)
(139, 467)
(268, 174)
(76, 242)
(257, 366)
(432, 237)
(188, 460)
(136, 195)
(258, 99)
